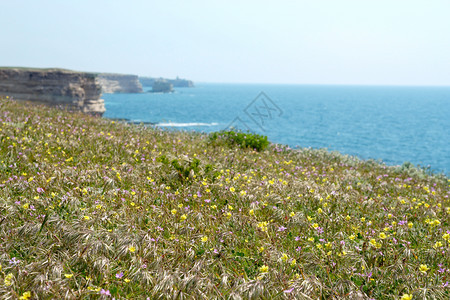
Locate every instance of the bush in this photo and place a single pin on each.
(244, 140)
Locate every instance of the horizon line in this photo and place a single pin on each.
(325, 84)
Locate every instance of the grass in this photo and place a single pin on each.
(92, 208)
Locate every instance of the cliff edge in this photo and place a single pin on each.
(55, 87)
(119, 83)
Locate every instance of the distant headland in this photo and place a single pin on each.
(177, 82)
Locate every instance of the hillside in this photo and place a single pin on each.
(92, 208)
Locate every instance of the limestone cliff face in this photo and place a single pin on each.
(119, 83)
(56, 87)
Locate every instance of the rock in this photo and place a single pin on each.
(119, 83)
(55, 87)
(177, 82)
(162, 86)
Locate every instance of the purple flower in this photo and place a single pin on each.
(106, 293)
(119, 275)
(14, 261)
(297, 238)
(282, 228)
(40, 190)
(289, 291)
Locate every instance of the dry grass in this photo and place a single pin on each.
(90, 208)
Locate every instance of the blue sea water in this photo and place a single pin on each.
(392, 124)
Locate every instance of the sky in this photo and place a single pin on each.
(382, 42)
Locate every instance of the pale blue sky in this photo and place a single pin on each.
(395, 42)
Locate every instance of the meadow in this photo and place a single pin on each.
(96, 209)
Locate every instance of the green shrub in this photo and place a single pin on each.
(244, 140)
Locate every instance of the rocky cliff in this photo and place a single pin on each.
(177, 82)
(119, 83)
(56, 87)
(162, 86)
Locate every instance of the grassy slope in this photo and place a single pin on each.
(90, 207)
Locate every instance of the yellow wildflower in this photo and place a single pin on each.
(264, 269)
(437, 245)
(382, 235)
(7, 279)
(68, 275)
(25, 295)
(423, 268)
(131, 249)
(406, 297)
(262, 226)
(204, 239)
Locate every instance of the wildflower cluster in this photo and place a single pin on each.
(94, 208)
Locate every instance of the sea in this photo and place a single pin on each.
(392, 124)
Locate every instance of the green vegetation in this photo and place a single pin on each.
(92, 208)
(241, 139)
